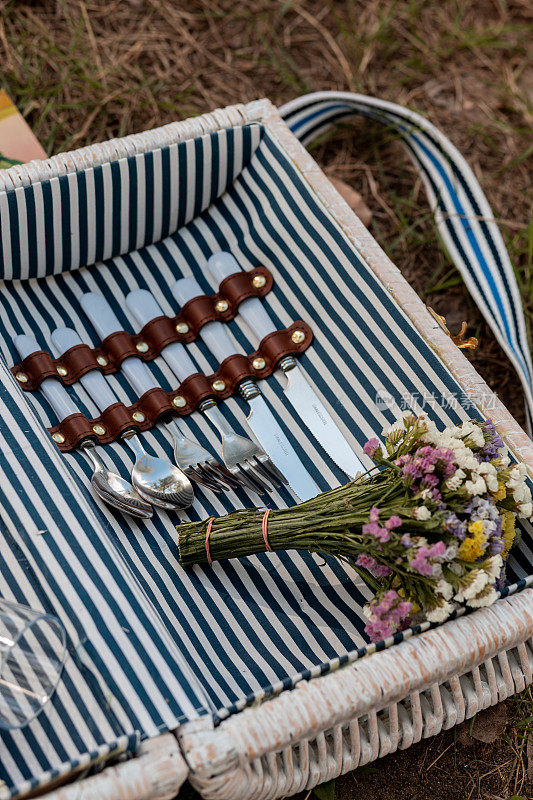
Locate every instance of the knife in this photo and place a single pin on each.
(298, 391)
(261, 420)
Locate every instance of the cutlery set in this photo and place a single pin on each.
(260, 465)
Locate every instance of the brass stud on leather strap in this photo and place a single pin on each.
(58, 437)
(142, 347)
(62, 371)
(298, 337)
(138, 416)
(259, 363)
(259, 281)
(182, 327)
(219, 385)
(21, 377)
(102, 361)
(99, 430)
(179, 401)
(222, 306)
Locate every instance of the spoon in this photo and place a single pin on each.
(155, 479)
(110, 487)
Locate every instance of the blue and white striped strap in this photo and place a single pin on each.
(462, 213)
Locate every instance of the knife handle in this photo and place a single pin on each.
(214, 334)
(105, 322)
(53, 390)
(145, 308)
(220, 265)
(93, 382)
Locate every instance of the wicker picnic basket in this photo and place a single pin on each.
(252, 679)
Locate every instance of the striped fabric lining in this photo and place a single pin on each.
(462, 213)
(167, 644)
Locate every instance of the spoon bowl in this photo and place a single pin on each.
(156, 480)
(114, 490)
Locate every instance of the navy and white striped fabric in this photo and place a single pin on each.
(462, 213)
(153, 645)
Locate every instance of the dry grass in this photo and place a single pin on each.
(85, 70)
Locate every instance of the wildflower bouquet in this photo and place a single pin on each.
(429, 527)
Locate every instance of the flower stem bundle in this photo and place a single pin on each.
(428, 528)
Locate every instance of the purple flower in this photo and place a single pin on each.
(455, 526)
(371, 447)
(393, 522)
(374, 514)
(387, 615)
(366, 561)
(421, 565)
(437, 550)
(378, 630)
(496, 545)
(382, 571)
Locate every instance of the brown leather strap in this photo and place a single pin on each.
(157, 403)
(147, 344)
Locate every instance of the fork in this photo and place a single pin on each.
(184, 290)
(242, 457)
(191, 457)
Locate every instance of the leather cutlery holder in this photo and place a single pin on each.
(157, 403)
(148, 343)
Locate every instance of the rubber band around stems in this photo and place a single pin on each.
(207, 535)
(264, 530)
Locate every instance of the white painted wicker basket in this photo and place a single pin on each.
(376, 704)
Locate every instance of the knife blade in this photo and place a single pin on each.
(261, 420)
(298, 391)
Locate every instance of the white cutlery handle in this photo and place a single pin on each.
(102, 316)
(53, 390)
(145, 308)
(214, 334)
(105, 323)
(93, 382)
(252, 310)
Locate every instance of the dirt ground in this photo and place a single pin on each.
(85, 70)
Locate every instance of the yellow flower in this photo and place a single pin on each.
(474, 545)
(501, 494)
(476, 527)
(508, 531)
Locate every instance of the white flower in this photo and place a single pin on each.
(395, 429)
(504, 458)
(367, 611)
(471, 463)
(450, 552)
(422, 513)
(492, 483)
(493, 567)
(521, 493)
(444, 588)
(453, 483)
(526, 510)
(478, 581)
(466, 429)
(440, 613)
(487, 598)
(476, 487)
(476, 436)
(486, 468)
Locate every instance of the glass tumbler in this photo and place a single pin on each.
(32, 654)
